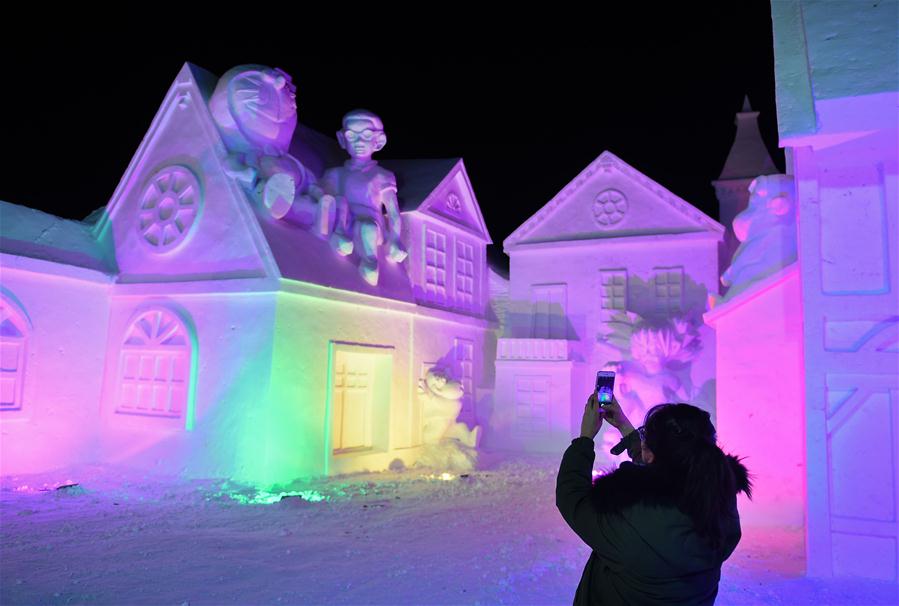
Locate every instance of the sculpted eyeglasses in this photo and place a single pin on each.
(365, 135)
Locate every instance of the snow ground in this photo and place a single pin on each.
(405, 537)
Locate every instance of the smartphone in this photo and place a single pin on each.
(605, 383)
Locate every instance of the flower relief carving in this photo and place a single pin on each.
(609, 207)
(454, 203)
(169, 206)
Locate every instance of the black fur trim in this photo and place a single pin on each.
(631, 484)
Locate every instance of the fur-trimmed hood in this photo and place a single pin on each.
(631, 484)
(643, 552)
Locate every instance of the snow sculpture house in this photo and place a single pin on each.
(837, 94)
(821, 331)
(185, 329)
(613, 272)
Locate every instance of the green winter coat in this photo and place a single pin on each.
(645, 550)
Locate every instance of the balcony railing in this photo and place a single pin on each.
(532, 349)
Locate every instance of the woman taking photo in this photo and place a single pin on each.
(661, 526)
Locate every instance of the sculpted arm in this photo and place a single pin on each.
(394, 220)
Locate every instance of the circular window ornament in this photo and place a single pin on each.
(609, 207)
(169, 207)
(453, 203)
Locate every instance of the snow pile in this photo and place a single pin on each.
(448, 454)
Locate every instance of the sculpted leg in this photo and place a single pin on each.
(326, 211)
(369, 235)
(340, 240)
(395, 252)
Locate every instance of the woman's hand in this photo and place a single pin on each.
(615, 416)
(592, 420)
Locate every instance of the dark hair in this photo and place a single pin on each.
(683, 442)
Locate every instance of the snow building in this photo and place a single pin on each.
(197, 325)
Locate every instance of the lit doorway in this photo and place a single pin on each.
(360, 397)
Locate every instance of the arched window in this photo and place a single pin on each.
(13, 347)
(155, 365)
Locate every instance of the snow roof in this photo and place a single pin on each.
(566, 215)
(748, 157)
(302, 256)
(316, 150)
(416, 179)
(298, 254)
(500, 272)
(31, 233)
(829, 51)
(441, 189)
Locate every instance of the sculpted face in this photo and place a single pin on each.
(361, 138)
(441, 385)
(284, 106)
(436, 381)
(265, 95)
(255, 107)
(770, 203)
(272, 104)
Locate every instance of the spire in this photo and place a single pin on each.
(746, 107)
(748, 157)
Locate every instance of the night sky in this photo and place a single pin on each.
(659, 89)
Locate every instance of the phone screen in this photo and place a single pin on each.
(605, 383)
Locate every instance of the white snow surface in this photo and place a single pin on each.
(398, 537)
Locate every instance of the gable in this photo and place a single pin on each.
(428, 187)
(610, 199)
(176, 215)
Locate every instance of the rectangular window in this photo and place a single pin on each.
(11, 373)
(155, 362)
(435, 265)
(549, 313)
(668, 286)
(465, 275)
(13, 355)
(153, 381)
(613, 292)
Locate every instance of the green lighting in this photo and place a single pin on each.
(190, 413)
(263, 497)
(329, 410)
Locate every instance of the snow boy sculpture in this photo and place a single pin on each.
(447, 444)
(362, 189)
(766, 231)
(255, 110)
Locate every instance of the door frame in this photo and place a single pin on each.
(381, 405)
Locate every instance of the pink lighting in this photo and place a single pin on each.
(278, 330)
(760, 389)
(190, 330)
(14, 331)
